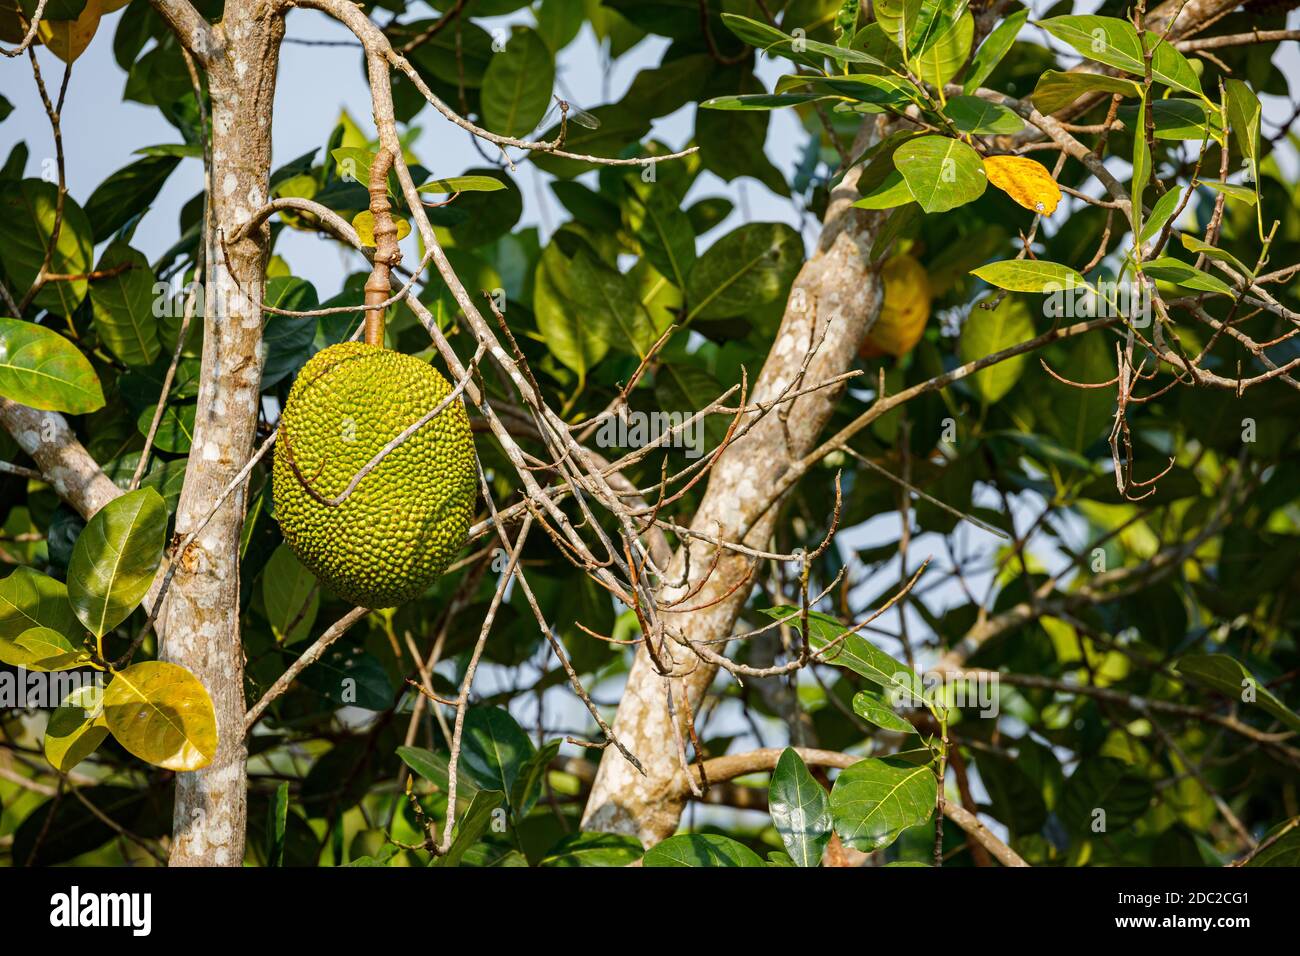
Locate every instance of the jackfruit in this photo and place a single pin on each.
(905, 310)
(387, 541)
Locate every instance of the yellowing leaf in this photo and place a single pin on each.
(68, 39)
(1024, 180)
(905, 310)
(364, 224)
(162, 714)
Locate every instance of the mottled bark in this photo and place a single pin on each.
(62, 460)
(836, 294)
(201, 615)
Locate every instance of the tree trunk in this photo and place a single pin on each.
(836, 294)
(201, 616)
(842, 290)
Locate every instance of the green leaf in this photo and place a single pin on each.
(1229, 677)
(175, 429)
(800, 809)
(494, 750)
(1030, 275)
(123, 305)
(42, 649)
(350, 677)
(1141, 169)
(875, 710)
(875, 800)
(759, 101)
(1193, 244)
(115, 559)
(76, 728)
(162, 714)
(993, 49)
(1181, 273)
(128, 193)
(576, 337)
(1244, 112)
(700, 849)
(1106, 784)
(988, 331)
(594, 849)
(666, 236)
(277, 822)
(286, 339)
(1056, 90)
(42, 369)
(970, 114)
(890, 193)
(28, 210)
(942, 173)
(1115, 42)
(291, 596)
(528, 784)
(1160, 214)
(30, 599)
(854, 652)
(1231, 190)
(1284, 848)
(471, 826)
(463, 184)
(517, 84)
(748, 267)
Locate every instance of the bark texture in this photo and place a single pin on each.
(836, 295)
(201, 615)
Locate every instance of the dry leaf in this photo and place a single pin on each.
(68, 39)
(905, 310)
(1024, 180)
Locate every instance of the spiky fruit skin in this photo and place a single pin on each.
(404, 522)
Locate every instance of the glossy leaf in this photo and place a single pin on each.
(1056, 89)
(1030, 275)
(1115, 42)
(40, 368)
(76, 728)
(853, 651)
(800, 809)
(876, 710)
(115, 559)
(876, 799)
(30, 599)
(162, 714)
(700, 849)
(1025, 180)
(494, 750)
(942, 173)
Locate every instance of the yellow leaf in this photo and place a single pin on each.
(68, 39)
(905, 310)
(364, 224)
(162, 714)
(1024, 180)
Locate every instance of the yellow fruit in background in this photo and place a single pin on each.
(406, 519)
(905, 310)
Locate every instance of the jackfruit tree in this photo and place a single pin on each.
(811, 432)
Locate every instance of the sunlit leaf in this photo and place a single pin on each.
(115, 558)
(162, 714)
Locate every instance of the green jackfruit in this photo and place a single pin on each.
(404, 522)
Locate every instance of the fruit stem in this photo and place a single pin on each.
(387, 252)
